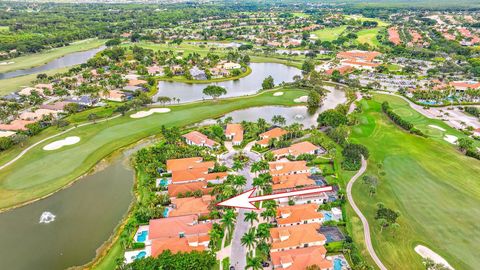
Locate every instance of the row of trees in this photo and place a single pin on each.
(397, 119)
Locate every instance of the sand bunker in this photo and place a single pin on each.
(451, 139)
(437, 127)
(276, 94)
(301, 99)
(6, 63)
(59, 144)
(142, 114)
(428, 253)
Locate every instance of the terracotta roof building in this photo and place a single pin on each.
(358, 55)
(178, 234)
(280, 168)
(298, 236)
(190, 206)
(16, 125)
(300, 259)
(234, 132)
(291, 182)
(182, 189)
(298, 214)
(188, 163)
(465, 85)
(199, 139)
(298, 149)
(274, 133)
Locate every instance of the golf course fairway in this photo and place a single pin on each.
(433, 185)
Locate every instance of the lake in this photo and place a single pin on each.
(298, 114)
(67, 60)
(86, 215)
(244, 86)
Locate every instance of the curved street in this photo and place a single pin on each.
(366, 227)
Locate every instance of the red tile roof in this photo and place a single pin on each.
(175, 189)
(300, 259)
(190, 206)
(285, 168)
(16, 125)
(199, 139)
(235, 131)
(297, 214)
(296, 236)
(296, 149)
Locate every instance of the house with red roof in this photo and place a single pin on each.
(300, 259)
(273, 134)
(292, 215)
(234, 132)
(190, 206)
(297, 149)
(199, 139)
(295, 237)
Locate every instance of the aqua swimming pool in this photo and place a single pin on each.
(142, 236)
(141, 255)
(165, 212)
(337, 264)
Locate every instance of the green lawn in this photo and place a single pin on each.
(369, 36)
(40, 172)
(37, 59)
(329, 34)
(431, 183)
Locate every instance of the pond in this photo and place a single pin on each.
(244, 86)
(67, 60)
(296, 114)
(68, 227)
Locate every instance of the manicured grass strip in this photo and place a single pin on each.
(40, 172)
(185, 80)
(369, 36)
(37, 59)
(11, 85)
(429, 181)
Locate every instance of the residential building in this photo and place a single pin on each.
(465, 85)
(190, 206)
(185, 188)
(300, 259)
(297, 149)
(198, 74)
(234, 132)
(16, 125)
(358, 55)
(295, 237)
(199, 139)
(37, 115)
(188, 163)
(114, 95)
(291, 182)
(298, 214)
(273, 134)
(281, 168)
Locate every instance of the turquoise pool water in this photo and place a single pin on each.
(142, 237)
(163, 182)
(165, 212)
(141, 255)
(327, 216)
(337, 264)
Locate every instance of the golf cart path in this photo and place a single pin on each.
(366, 227)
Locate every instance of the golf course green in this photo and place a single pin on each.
(39, 172)
(432, 185)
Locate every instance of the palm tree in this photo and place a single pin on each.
(251, 217)
(278, 119)
(263, 231)
(228, 220)
(248, 239)
(268, 213)
(259, 166)
(254, 263)
(263, 249)
(237, 165)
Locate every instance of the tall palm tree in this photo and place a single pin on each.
(248, 239)
(254, 263)
(228, 220)
(237, 165)
(259, 166)
(263, 231)
(251, 217)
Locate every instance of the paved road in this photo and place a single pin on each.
(238, 256)
(366, 227)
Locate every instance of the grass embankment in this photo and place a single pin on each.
(39, 172)
(37, 59)
(428, 180)
(182, 79)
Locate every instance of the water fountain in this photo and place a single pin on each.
(47, 217)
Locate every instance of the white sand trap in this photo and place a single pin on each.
(437, 127)
(301, 99)
(6, 63)
(451, 139)
(277, 94)
(428, 253)
(142, 114)
(59, 144)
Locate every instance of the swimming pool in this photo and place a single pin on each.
(165, 212)
(337, 264)
(327, 216)
(141, 255)
(163, 182)
(142, 236)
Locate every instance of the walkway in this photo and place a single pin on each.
(366, 227)
(238, 255)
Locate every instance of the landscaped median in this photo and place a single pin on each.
(39, 172)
